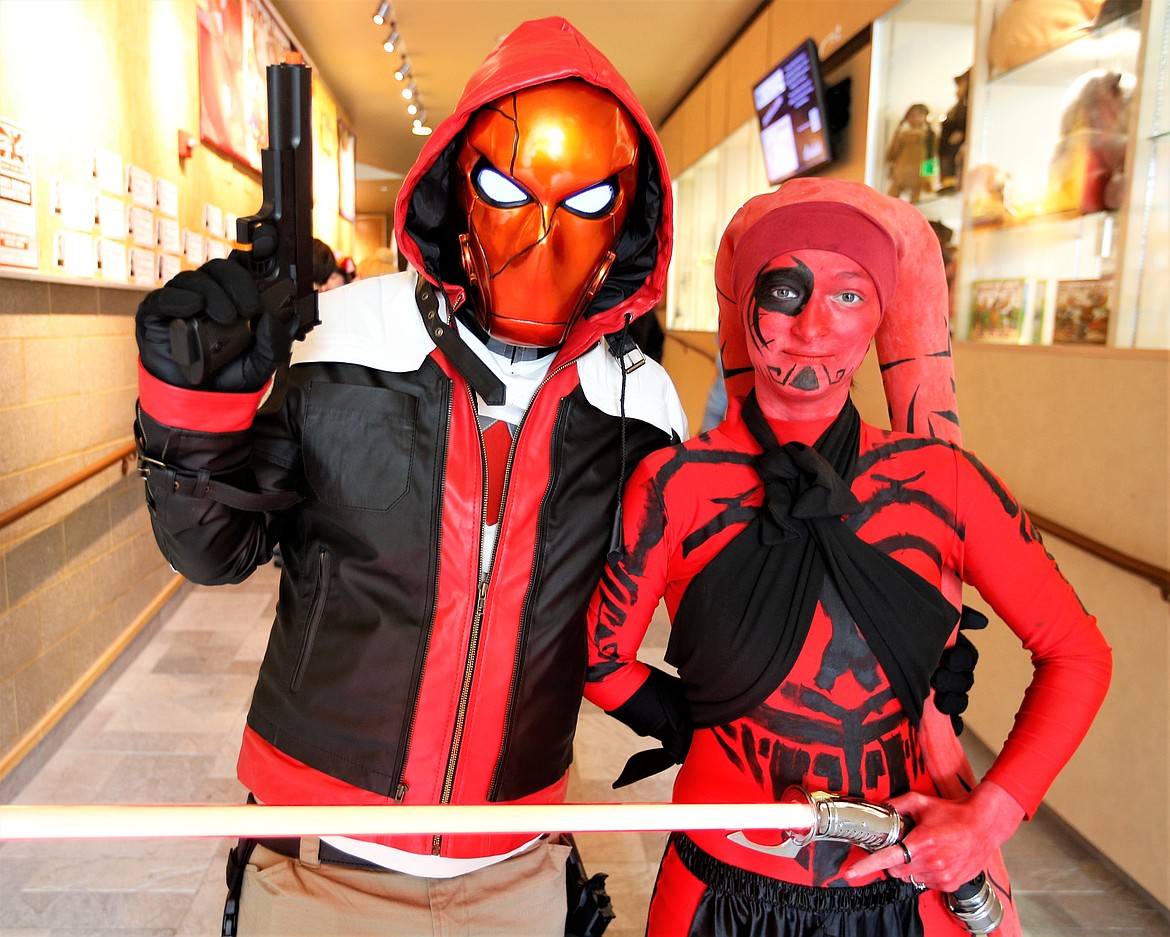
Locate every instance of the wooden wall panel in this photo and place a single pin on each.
(829, 24)
(694, 126)
(717, 123)
(747, 61)
(849, 161)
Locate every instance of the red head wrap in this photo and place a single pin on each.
(826, 226)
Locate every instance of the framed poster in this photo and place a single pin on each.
(238, 40)
(346, 172)
(997, 310)
(18, 209)
(1082, 311)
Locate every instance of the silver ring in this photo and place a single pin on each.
(917, 884)
(905, 852)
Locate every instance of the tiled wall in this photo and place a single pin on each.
(78, 572)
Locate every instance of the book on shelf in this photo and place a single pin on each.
(997, 310)
(1082, 311)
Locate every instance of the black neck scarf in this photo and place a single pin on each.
(744, 619)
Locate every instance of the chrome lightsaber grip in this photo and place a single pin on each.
(872, 827)
(977, 905)
(847, 819)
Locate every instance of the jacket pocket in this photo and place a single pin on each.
(313, 620)
(358, 443)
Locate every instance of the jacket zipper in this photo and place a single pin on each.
(316, 611)
(476, 619)
(473, 647)
(464, 695)
(521, 630)
(401, 787)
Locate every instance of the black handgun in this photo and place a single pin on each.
(277, 241)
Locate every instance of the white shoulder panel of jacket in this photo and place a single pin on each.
(372, 322)
(375, 323)
(650, 394)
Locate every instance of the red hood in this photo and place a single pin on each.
(427, 225)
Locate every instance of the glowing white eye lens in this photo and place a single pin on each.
(498, 188)
(592, 201)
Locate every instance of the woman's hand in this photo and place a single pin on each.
(950, 841)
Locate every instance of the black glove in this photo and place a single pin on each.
(225, 292)
(658, 709)
(955, 675)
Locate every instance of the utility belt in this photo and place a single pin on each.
(589, 907)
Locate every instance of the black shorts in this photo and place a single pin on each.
(739, 903)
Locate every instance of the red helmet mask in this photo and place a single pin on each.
(545, 177)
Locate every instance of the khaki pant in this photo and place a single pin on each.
(523, 895)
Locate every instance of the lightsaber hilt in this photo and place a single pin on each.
(875, 826)
(976, 905)
(847, 819)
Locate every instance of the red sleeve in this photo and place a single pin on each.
(627, 596)
(200, 410)
(1003, 557)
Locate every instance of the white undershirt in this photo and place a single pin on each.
(415, 863)
(521, 379)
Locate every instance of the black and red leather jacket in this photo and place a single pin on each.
(395, 670)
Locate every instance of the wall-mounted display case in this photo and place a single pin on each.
(1057, 206)
(919, 94)
(1060, 211)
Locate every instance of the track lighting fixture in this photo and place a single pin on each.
(383, 14)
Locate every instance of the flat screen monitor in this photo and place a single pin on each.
(790, 103)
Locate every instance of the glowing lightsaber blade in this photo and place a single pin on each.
(165, 821)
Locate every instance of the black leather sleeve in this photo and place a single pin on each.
(187, 475)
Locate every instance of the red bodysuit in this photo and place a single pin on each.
(833, 722)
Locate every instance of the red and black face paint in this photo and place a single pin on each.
(787, 291)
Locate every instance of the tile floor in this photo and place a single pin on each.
(166, 729)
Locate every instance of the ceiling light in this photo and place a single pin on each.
(412, 108)
(410, 91)
(403, 71)
(391, 40)
(420, 130)
(382, 13)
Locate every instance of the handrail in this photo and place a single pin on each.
(12, 515)
(698, 349)
(1155, 574)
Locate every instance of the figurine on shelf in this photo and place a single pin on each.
(911, 147)
(952, 134)
(1087, 172)
(986, 193)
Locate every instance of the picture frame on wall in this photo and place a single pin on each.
(1082, 311)
(346, 171)
(997, 310)
(237, 41)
